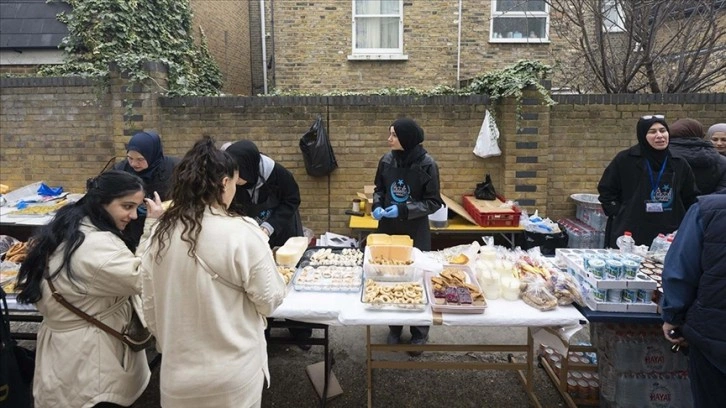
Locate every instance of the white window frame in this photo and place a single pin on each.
(377, 53)
(609, 26)
(519, 14)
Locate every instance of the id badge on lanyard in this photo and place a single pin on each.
(654, 206)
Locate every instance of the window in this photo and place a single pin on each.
(520, 21)
(377, 29)
(612, 16)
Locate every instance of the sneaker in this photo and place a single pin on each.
(305, 347)
(393, 338)
(418, 342)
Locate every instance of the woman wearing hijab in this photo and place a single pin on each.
(145, 158)
(645, 189)
(268, 193)
(406, 192)
(709, 167)
(717, 135)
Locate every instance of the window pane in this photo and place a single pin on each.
(533, 27)
(376, 7)
(520, 5)
(372, 32)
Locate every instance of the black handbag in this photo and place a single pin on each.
(485, 190)
(16, 366)
(317, 151)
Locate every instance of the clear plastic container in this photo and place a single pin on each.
(394, 296)
(626, 243)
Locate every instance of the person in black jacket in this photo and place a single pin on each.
(406, 192)
(645, 189)
(268, 193)
(145, 158)
(709, 167)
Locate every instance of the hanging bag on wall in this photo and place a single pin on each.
(317, 151)
(487, 143)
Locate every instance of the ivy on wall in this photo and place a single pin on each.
(132, 32)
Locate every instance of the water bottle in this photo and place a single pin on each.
(626, 243)
(658, 243)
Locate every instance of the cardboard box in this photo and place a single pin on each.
(367, 195)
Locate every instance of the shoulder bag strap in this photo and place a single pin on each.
(215, 276)
(90, 319)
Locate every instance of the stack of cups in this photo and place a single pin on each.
(488, 279)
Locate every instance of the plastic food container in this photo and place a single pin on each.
(394, 296)
(328, 278)
(388, 272)
(476, 306)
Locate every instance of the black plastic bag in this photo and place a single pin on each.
(485, 190)
(317, 151)
(16, 366)
(547, 242)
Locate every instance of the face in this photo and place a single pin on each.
(393, 140)
(123, 209)
(719, 141)
(657, 136)
(230, 188)
(136, 161)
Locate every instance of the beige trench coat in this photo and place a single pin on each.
(78, 364)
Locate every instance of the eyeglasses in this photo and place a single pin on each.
(649, 117)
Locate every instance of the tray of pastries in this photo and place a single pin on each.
(455, 290)
(394, 296)
(329, 270)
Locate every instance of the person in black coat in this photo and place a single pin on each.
(645, 189)
(145, 158)
(268, 192)
(406, 192)
(709, 167)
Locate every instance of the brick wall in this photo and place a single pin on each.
(64, 130)
(226, 24)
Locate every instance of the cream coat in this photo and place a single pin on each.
(212, 336)
(78, 364)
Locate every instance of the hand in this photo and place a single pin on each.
(667, 328)
(153, 207)
(391, 212)
(378, 213)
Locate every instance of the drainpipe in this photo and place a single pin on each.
(264, 45)
(458, 52)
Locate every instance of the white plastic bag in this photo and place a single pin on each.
(487, 143)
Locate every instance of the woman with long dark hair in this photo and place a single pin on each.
(209, 281)
(84, 252)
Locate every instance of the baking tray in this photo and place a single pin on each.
(328, 278)
(474, 308)
(386, 302)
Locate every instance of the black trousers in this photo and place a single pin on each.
(708, 383)
(417, 332)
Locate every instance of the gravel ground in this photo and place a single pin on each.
(397, 387)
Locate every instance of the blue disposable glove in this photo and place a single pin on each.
(378, 213)
(391, 212)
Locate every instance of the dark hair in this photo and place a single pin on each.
(196, 185)
(65, 229)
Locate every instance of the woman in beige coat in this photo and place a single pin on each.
(209, 280)
(92, 264)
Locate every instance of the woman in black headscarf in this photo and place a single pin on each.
(267, 192)
(645, 189)
(406, 192)
(145, 158)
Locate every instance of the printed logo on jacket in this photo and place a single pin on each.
(400, 191)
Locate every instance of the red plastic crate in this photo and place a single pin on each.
(491, 218)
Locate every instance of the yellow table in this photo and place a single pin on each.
(457, 226)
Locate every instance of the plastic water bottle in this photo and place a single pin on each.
(626, 243)
(658, 243)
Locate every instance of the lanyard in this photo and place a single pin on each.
(660, 173)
